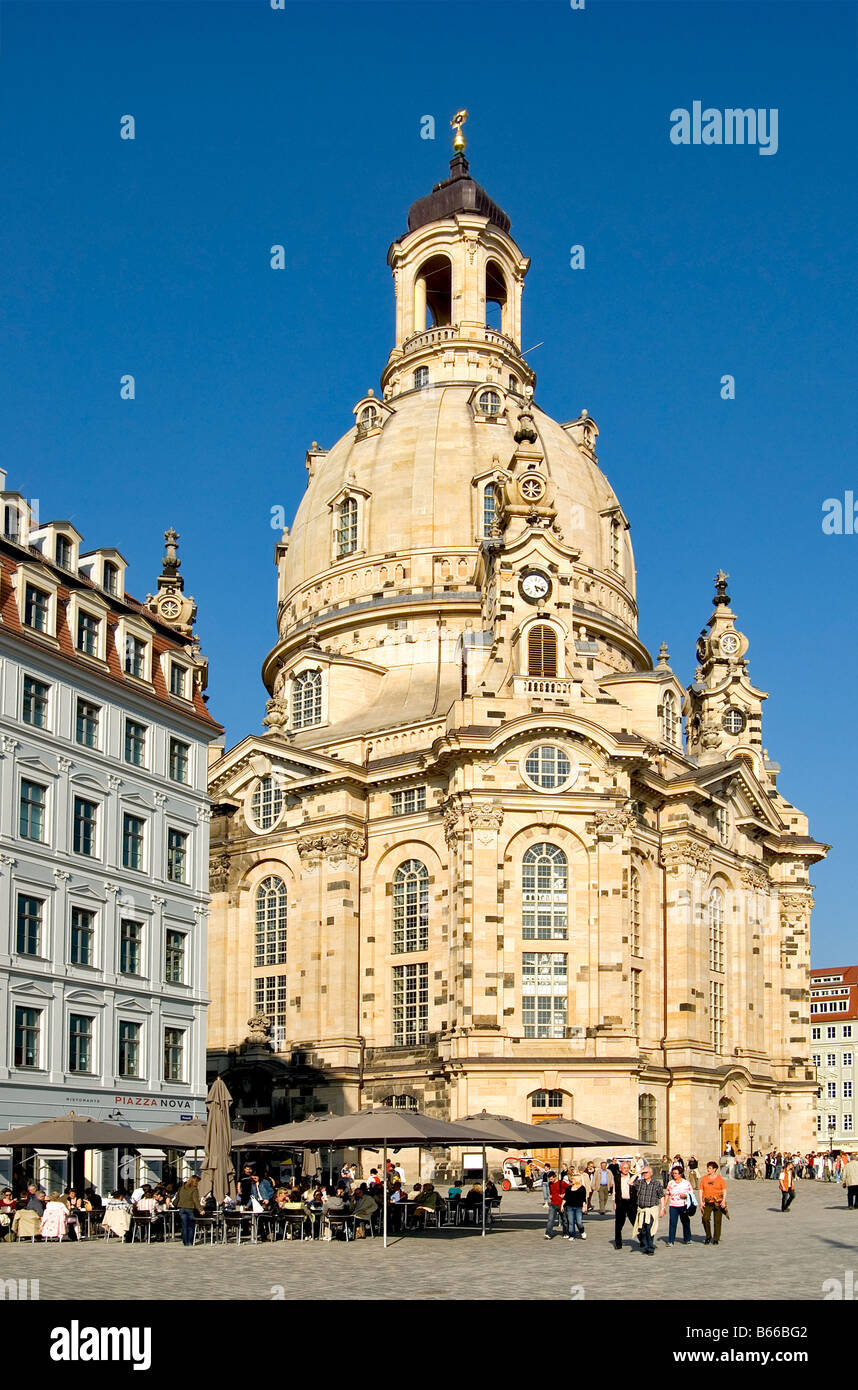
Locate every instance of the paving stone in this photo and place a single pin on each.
(765, 1255)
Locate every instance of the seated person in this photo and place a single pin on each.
(428, 1201)
(55, 1218)
(366, 1207)
(454, 1191)
(492, 1194)
(117, 1214)
(8, 1207)
(26, 1223)
(338, 1206)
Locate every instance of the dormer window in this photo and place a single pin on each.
(179, 680)
(307, 699)
(111, 578)
(63, 552)
(87, 633)
(489, 403)
(421, 378)
(347, 526)
(37, 608)
(368, 419)
(11, 522)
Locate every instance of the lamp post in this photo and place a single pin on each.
(752, 1129)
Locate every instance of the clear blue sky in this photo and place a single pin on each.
(302, 127)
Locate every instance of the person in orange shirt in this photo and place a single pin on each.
(713, 1202)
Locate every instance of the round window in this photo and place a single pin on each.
(734, 721)
(490, 403)
(549, 768)
(266, 803)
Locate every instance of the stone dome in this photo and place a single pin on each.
(418, 473)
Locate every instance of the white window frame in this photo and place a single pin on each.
(132, 627)
(39, 578)
(92, 607)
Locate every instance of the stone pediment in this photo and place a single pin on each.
(84, 996)
(260, 757)
(29, 989)
(37, 764)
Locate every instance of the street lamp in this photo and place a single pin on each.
(752, 1129)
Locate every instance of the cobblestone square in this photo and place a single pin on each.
(765, 1255)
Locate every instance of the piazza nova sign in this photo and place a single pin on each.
(108, 1102)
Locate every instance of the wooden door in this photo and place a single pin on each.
(729, 1135)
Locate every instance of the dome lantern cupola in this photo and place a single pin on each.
(458, 279)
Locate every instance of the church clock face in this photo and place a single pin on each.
(534, 585)
(169, 609)
(729, 644)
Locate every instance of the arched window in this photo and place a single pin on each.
(496, 296)
(489, 402)
(635, 913)
(411, 907)
(347, 528)
(544, 893)
(716, 930)
(266, 802)
(542, 651)
(669, 718)
(400, 1102)
(491, 501)
(433, 290)
(307, 699)
(368, 419)
(546, 1100)
(646, 1119)
(271, 922)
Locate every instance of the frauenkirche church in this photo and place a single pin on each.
(487, 854)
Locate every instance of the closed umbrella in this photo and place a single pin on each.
(218, 1175)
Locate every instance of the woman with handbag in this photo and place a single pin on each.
(681, 1205)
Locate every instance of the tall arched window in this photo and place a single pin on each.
(716, 930)
(635, 913)
(307, 699)
(271, 922)
(544, 893)
(669, 718)
(347, 528)
(266, 802)
(496, 296)
(542, 651)
(646, 1119)
(491, 498)
(411, 907)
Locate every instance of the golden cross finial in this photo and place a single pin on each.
(459, 138)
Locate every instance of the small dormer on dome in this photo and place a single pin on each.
(371, 415)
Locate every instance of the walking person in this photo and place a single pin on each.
(188, 1202)
(650, 1205)
(604, 1186)
(625, 1199)
(574, 1206)
(849, 1178)
(556, 1191)
(693, 1173)
(786, 1183)
(678, 1194)
(713, 1196)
